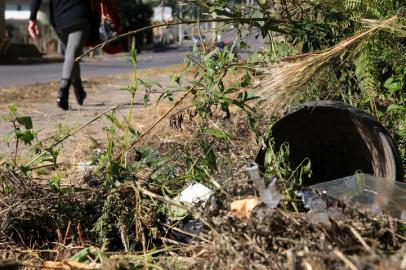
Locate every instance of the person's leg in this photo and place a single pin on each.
(63, 93)
(80, 93)
(74, 47)
(71, 70)
(76, 72)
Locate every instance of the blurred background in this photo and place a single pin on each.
(15, 41)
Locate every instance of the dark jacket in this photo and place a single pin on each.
(64, 13)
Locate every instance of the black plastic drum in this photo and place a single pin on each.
(339, 140)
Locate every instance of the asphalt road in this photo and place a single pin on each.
(17, 75)
(14, 75)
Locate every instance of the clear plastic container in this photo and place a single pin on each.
(368, 194)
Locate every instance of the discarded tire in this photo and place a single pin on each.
(339, 140)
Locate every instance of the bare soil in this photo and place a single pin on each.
(39, 102)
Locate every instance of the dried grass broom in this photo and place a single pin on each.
(284, 80)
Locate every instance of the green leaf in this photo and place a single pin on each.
(133, 131)
(25, 169)
(146, 99)
(258, 14)
(177, 213)
(12, 108)
(85, 254)
(55, 181)
(246, 80)
(27, 136)
(217, 133)
(26, 121)
(225, 99)
(149, 83)
(132, 88)
(115, 121)
(402, 228)
(176, 79)
(393, 85)
(197, 83)
(8, 189)
(395, 107)
(247, 96)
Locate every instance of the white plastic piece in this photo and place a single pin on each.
(270, 196)
(86, 165)
(195, 193)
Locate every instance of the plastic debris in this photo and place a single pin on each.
(86, 165)
(364, 192)
(319, 211)
(243, 208)
(195, 193)
(270, 196)
(91, 164)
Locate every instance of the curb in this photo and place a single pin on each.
(29, 60)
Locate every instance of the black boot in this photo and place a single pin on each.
(80, 93)
(63, 95)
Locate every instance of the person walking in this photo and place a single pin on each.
(71, 20)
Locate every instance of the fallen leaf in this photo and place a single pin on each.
(242, 208)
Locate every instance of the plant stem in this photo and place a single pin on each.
(134, 60)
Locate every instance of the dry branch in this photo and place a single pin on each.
(186, 22)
